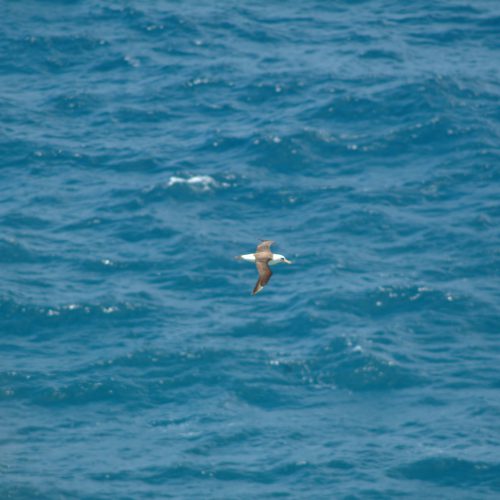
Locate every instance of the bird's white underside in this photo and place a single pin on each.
(250, 257)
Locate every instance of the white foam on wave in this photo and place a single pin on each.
(109, 310)
(205, 182)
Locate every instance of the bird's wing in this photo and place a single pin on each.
(264, 275)
(264, 246)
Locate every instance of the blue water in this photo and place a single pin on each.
(144, 144)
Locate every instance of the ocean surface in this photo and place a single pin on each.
(145, 144)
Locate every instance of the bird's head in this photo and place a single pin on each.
(278, 258)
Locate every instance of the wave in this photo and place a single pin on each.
(20, 317)
(452, 471)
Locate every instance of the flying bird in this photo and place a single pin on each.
(263, 258)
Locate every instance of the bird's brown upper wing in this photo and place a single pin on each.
(264, 246)
(264, 275)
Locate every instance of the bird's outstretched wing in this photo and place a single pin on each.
(264, 275)
(264, 246)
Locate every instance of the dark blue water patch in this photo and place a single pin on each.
(255, 394)
(282, 327)
(18, 316)
(75, 104)
(381, 54)
(50, 53)
(22, 221)
(448, 471)
(140, 115)
(388, 300)
(131, 233)
(348, 365)
(22, 491)
(117, 228)
(107, 266)
(13, 251)
(342, 364)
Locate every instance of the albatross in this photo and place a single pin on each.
(263, 258)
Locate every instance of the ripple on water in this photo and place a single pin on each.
(351, 367)
(452, 471)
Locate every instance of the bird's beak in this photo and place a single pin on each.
(287, 261)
